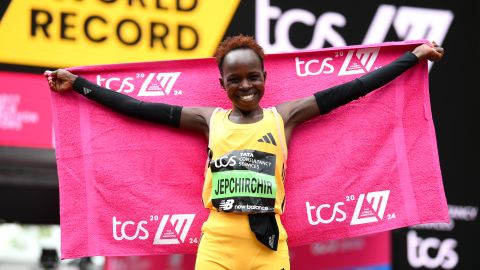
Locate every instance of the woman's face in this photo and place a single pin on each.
(243, 79)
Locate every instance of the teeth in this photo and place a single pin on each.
(247, 97)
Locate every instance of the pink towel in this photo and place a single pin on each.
(130, 187)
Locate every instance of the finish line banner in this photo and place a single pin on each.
(131, 187)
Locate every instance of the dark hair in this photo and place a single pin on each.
(237, 42)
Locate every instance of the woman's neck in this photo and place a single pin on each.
(246, 117)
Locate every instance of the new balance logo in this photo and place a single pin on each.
(179, 223)
(158, 84)
(268, 138)
(226, 205)
(362, 62)
(373, 210)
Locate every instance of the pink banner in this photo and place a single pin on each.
(25, 111)
(368, 252)
(129, 187)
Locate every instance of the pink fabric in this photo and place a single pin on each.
(130, 187)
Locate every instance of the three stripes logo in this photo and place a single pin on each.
(268, 138)
(86, 91)
(362, 62)
(158, 84)
(373, 210)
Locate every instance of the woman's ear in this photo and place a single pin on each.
(265, 75)
(220, 80)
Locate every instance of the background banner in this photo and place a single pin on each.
(37, 35)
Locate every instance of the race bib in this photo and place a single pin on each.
(244, 181)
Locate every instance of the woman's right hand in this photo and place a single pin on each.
(60, 80)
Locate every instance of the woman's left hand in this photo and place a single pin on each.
(432, 52)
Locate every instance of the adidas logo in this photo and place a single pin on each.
(268, 138)
(86, 91)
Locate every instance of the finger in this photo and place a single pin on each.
(440, 50)
(54, 73)
(50, 84)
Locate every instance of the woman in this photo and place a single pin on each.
(243, 185)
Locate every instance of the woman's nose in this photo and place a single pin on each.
(245, 84)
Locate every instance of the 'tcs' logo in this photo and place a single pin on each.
(324, 67)
(418, 252)
(139, 229)
(336, 209)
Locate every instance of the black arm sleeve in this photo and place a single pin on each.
(155, 112)
(339, 95)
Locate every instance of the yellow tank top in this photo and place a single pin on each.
(246, 166)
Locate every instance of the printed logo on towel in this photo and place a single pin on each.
(140, 231)
(371, 209)
(313, 67)
(172, 236)
(152, 85)
(158, 84)
(172, 229)
(337, 213)
(359, 61)
(419, 252)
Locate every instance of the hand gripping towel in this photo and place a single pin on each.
(131, 187)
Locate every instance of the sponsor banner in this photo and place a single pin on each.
(25, 111)
(365, 252)
(358, 170)
(173, 262)
(282, 26)
(439, 245)
(71, 33)
(371, 252)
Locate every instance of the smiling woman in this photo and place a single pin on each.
(247, 147)
(243, 78)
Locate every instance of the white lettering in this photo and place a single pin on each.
(418, 252)
(410, 23)
(319, 219)
(110, 83)
(221, 162)
(10, 117)
(324, 30)
(303, 69)
(467, 213)
(123, 234)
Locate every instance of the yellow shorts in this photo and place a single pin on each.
(228, 243)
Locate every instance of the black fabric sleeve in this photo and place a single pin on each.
(155, 112)
(339, 95)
